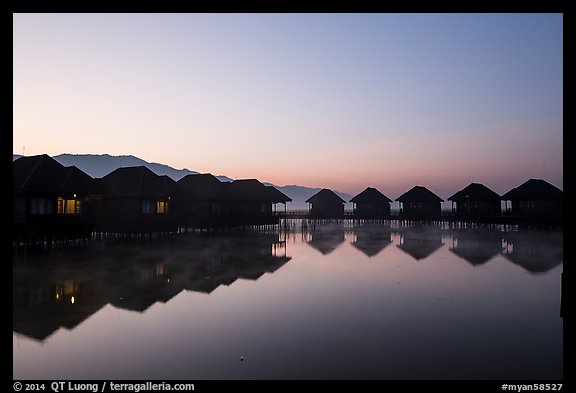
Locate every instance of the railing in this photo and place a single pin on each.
(445, 216)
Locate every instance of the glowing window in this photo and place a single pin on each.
(68, 206)
(161, 207)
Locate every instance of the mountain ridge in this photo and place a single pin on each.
(99, 165)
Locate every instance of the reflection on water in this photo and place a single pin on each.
(370, 239)
(476, 246)
(303, 305)
(62, 289)
(420, 242)
(536, 252)
(326, 238)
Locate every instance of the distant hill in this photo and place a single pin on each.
(99, 165)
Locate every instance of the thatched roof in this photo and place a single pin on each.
(534, 189)
(249, 190)
(171, 187)
(78, 181)
(36, 173)
(204, 186)
(207, 186)
(42, 173)
(475, 192)
(325, 195)
(139, 181)
(370, 195)
(419, 194)
(278, 196)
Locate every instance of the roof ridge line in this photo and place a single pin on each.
(68, 174)
(34, 170)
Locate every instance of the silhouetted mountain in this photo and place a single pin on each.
(99, 165)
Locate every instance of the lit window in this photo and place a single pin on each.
(68, 206)
(161, 207)
(71, 206)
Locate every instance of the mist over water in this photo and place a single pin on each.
(330, 301)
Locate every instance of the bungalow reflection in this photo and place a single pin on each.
(63, 289)
(418, 242)
(371, 239)
(223, 260)
(45, 300)
(476, 246)
(535, 251)
(325, 237)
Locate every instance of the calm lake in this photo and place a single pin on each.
(333, 301)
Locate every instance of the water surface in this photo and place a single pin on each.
(331, 302)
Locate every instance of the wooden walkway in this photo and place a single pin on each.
(522, 222)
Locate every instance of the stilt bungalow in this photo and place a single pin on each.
(326, 204)
(251, 202)
(207, 201)
(476, 200)
(535, 198)
(371, 204)
(419, 203)
(51, 200)
(136, 200)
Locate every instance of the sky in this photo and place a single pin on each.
(340, 101)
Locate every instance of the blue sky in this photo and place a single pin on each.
(342, 101)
